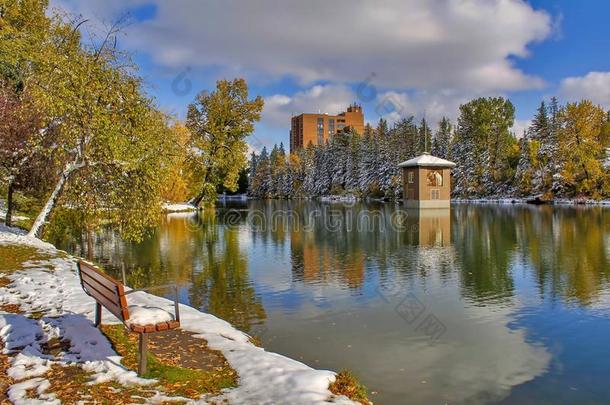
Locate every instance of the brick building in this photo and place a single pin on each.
(318, 128)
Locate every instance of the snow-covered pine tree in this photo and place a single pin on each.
(424, 137)
(549, 151)
(539, 136)
(525, 170)
(252, 171)
(442, 139)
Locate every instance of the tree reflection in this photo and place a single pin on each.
(485, 242)
(567, 247)
(482, 248)
(222, 285)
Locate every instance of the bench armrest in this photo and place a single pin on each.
(174, 287)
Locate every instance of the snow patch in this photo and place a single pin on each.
(17, 393)
(179, 207)
(145, 315)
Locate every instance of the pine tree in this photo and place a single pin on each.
(424, 138)
(442, 139)
(252, 172)
(525, 172)
(540, 138)
(262, 182)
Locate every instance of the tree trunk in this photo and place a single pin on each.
(50, 204)
(9, 203)
(197, 200)
(89, 243)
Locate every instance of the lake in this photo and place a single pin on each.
(477, 304)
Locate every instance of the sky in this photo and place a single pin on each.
(397, 58)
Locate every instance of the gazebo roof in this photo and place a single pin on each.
(427, 160)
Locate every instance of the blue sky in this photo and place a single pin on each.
(396, 57)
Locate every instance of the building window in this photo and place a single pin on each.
(320, 131)
(435, 194)
(435, 178)
(331, 127)
(411, 177)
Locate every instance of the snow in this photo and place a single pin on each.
(14, 217)
(17, 392)
(180, 207)
(426, 160)
(145, 315)
(10, 235)
(503, 201)
(264, 377)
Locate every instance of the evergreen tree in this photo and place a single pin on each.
(252, 173)
(526, 167)
(442, 139)
(424, 141)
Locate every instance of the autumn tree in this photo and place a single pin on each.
(21, 149)
(583, 137)
(219, 123)
(179, 184)
(110, 140)
(484, 148)
(28, 142)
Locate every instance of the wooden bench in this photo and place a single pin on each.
(110, 294)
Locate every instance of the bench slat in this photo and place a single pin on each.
(104, 289)
(102, 278)
(110, 306)
(91, 283)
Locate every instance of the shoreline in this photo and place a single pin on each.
(484, 200)
(263, 377)
(526, 201)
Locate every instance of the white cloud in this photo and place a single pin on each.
(594, 86)
(434, 105)
(329, 98)
(407, 43)
(520, 126)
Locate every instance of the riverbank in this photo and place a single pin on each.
(350, 199)
(530, 200)
(42, 305)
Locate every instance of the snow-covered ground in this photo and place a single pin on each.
(178, 207)
(53, 288)
(15, 216)
(557, 201)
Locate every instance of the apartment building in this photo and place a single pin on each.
(316, 129)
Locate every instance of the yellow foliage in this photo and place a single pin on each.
(178, 184)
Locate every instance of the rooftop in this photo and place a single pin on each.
(427, 160)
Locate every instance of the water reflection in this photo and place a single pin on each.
(322, 283)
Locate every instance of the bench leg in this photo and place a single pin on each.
(143, 354)
(98, 314)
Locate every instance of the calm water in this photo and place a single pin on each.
(480, 304)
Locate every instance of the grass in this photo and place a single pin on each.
(173, 379)
(71, 385)
(13, 257)
(347, 384)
